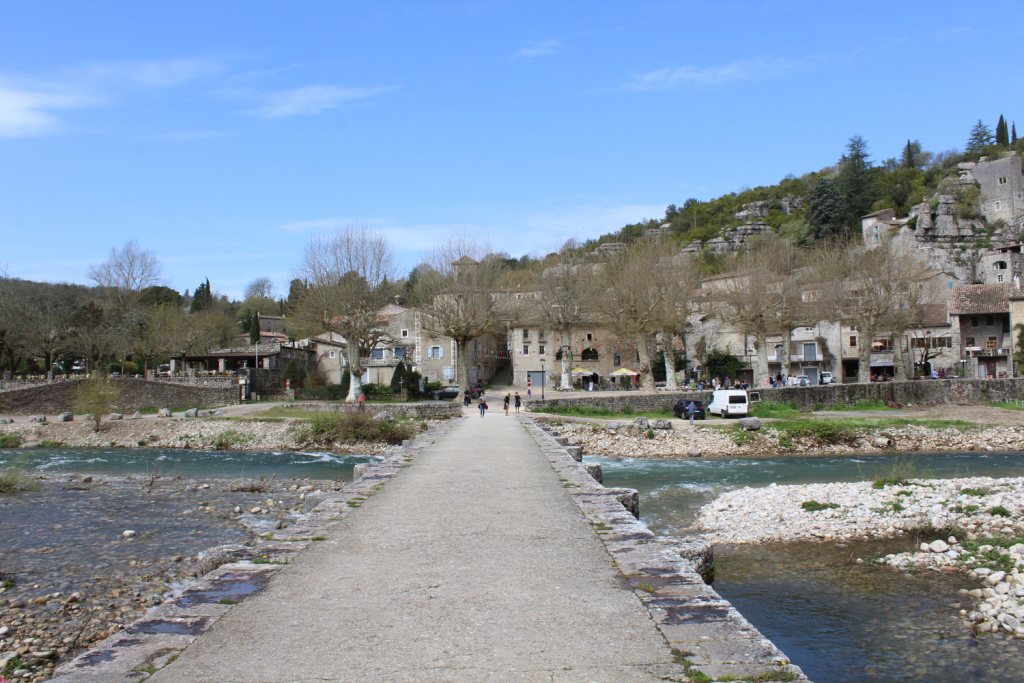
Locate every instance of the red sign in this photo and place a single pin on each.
(288, 384)
(529, 382)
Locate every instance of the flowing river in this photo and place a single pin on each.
(837, 620)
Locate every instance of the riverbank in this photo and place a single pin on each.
(970, 525)
(804, 437)
(86, 555)
(256, 434)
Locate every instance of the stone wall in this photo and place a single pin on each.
(920, 392)
(56, 397)
(435, 410)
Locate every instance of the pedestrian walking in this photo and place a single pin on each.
(690, 410)
(483, 407)
(508, 397)
(519, 401)
(465, 398)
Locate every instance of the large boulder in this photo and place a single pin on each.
(384, 417)
(640, 422)
(116, 416)
(137, 415)
(163, 412)
(661, 423)
(37, 418)
(192, 412)
(594, 470)
(751, 424)
(613, 425)
(66, 417)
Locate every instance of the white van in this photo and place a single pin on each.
(729, 403)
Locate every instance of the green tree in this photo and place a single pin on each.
(828, 212)
(202, 300)
(292, 372)
(722, 364)
(1002, 134)
(96, 397)
(909, 158)
(897, 188)
(981, 137)
(398, 380)
(1013, 132)
(855, 178)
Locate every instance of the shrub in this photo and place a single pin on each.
(113, 367)
(898, 472)
(96, 397)
(980, 492)
(15, 478)
(650, 433)
(999, 511)
(349, 428)
(10, 440)
(627, 409)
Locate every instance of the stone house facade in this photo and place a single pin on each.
(596, 350)
(982, 317)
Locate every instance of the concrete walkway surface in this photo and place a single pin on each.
(472, 565)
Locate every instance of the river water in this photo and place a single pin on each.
(837, 620)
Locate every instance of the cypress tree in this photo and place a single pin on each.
(1013, 132)
(202, 299)
(828, 211)
(396, 379)
(1002, 135)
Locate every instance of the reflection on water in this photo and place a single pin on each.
(838, 620)
(190, 463)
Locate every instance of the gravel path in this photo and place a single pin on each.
(472, 565)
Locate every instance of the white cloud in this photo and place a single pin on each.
(167, 73)
(310, 99)
(26, 111)
(547, 47)
(758, 68)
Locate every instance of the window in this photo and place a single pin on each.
(974, 321)
(526, 335)
(405, 333)
(589, 354)
(1006, 324)
(990, 320)
(882, 345)
(526, 349)
(991, 344)
(999, 278)
(918, 343)
(998, 205)
(540, 349)
(558, 354)
(376, 353)
(941, 343)
(970, 341)
(999, 265)
(540, 335)
(332, 353)
(435, 352)
(853, 341)
(590, 336)
(617, 360)
(1002, 181)
(400, 352)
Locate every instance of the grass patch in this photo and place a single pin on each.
(148, 410)
(741, 437)
(964, 509)
(898, 472)
(626, 412)
(979, 492)
(230, 440)
(992, 559)
(227, 601)
(821, 432)
(814, 506)
(646, 587)
(771, 674)
(51, 444)
(1007, 406)
(775, 409)
(319, 538)
(999, 511)
(862, 404)
(694, 675)
(10, 440)
(15, 478)
(326, 429)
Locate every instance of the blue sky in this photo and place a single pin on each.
(222, 135)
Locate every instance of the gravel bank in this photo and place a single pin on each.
(703, 441)
(985, 517)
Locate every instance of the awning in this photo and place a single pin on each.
(581, 371)
(883, 365)
(624, 371)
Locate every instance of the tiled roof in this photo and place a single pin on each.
(934, 315)
(975, 299)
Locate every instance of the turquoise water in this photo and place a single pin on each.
(189, 463)
(837, 620)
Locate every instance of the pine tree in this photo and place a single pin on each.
(1013, 132)
(202, 300)
(981, 137)
(828, 211)
(855, 179)
(1002, 135)
(909, 157)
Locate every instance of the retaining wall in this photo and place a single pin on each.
(56, 397)
(918, 392)
(434, 410)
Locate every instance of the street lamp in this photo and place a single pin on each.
(542, 379)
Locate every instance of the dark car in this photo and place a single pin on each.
(682, 406)
(445, 393)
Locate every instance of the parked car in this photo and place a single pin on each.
(680, 408)
(826, 378)
(445, 393)
(729, 403)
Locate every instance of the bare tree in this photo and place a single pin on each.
(12, 319)
(682, 302)
(349, 275)
(566, 289)
(125, 274)
(260, 288)
(636, 284)
(50, 316)
(878, 291)
(457, 286)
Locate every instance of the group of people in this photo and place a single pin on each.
(716, 383)
(483, 402)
